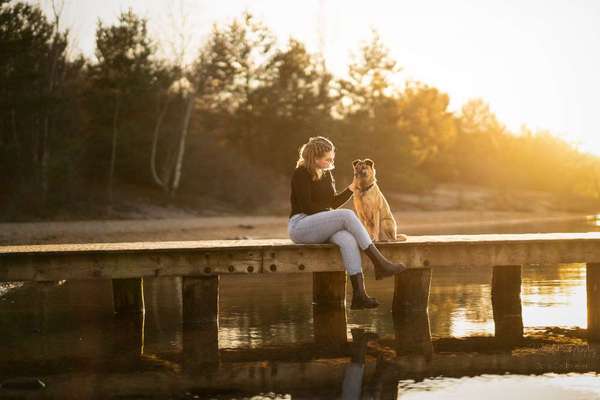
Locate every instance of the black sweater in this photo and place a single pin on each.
(310, 197)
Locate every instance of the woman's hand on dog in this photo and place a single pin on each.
(352, 187)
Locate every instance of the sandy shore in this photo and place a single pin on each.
(257, 227)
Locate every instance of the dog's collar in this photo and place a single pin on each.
(367, 188)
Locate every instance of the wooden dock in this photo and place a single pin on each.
(201, 263)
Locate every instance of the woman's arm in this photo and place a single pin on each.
(339, 198)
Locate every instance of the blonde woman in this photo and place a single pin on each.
(315, 217)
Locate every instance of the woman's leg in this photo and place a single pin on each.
(341, 227)
(349, 249)
(319, 227)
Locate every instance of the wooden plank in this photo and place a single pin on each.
(266, 244)
(72, 265)
(217, 257)
(302, 259)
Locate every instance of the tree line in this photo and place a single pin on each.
(78, 131)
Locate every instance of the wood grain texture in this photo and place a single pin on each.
(219, 257)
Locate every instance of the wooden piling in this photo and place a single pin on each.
(411, 290)
(200, 299)
(593, 301)
(329, 308)
(410, 315)
(506, 304)
(329, 288)
(128, 295)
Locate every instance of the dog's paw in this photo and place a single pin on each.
(401, 237)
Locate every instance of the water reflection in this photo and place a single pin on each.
(548, 386)
(459, 304)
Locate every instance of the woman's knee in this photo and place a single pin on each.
(345, 212)
(343, 238)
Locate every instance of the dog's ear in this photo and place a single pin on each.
(355, 162)
(369, 162)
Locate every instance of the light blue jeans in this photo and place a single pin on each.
(340, 226)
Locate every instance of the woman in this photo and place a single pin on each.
(314, 217)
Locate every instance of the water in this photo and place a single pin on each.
(499, 387)
(65, 335)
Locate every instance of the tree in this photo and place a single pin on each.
(479, 142)
(123, 77)
(369, 83)
(293, 106)
(248, 47)
(424, 118)
(35, 90)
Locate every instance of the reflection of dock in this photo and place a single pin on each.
(285, 369)
(201, 263)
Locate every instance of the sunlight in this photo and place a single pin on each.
(556, 309)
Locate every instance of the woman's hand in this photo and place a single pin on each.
(352, 187)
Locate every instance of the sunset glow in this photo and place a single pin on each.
(531, 61)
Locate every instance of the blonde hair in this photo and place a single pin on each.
(309, 152)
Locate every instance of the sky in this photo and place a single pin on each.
(536, 63)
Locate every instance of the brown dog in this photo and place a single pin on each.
(371, 206)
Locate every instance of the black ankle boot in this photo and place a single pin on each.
(360, 299)
(382, 266)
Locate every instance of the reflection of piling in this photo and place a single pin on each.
(200, 320)
(128, 295)
(329, 308)
(593, 301)
(410, 312)
(506, 304)
(41, 319)
(330, 327)
(201, 346)
(128, 336)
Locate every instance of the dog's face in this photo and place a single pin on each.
(364, 170)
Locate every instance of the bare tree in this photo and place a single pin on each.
(179, 42)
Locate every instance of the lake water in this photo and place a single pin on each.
(65, 336)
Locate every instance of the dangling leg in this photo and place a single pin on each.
(352, 262)
(319, 227)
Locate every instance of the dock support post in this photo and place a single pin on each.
(329, 288)
(506, 304)
(200, 321)
(200, 299)
(410, 312)
(329, 308)
(593, 301)
(128, 295)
